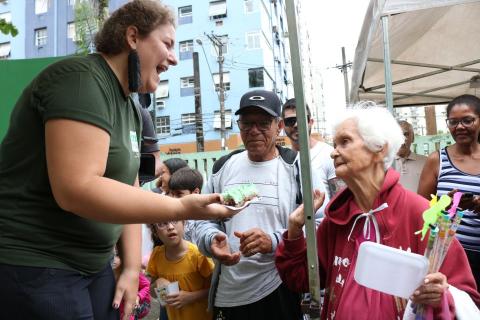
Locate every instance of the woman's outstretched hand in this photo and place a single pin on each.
(205, 207)
(297, 217)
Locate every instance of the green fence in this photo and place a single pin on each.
(15, 75)
(428, 144)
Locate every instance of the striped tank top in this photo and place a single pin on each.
(449, 178)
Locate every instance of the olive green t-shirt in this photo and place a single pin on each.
(34, 230)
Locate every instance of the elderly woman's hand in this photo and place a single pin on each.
(432, 290)
(297, 217)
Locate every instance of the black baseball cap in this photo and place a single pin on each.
(263, 99)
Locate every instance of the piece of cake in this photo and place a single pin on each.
(237, 196)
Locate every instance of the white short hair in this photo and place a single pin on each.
(377, 127)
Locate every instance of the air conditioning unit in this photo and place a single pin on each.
(285, 34)
(276, 59)
(160, 104)
(275, 29)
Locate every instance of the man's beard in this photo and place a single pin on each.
(290, 136)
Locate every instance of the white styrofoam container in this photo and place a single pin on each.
(389, 270)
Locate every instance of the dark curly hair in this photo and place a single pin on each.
(153, 234)
(145, 15)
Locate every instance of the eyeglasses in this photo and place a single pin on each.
(262, 125)
(290, 121)
(164, 225)
(466, 122)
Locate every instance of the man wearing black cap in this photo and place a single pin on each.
(246, 284)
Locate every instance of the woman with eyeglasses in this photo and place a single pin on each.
(457, 168)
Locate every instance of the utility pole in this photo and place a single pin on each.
(344, 69)
(217, 42)
(198, 104)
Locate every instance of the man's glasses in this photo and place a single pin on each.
(290, 121)
(263, 125)
(164, 225)
(466, 122)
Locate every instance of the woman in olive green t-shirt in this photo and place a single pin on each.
(68, 175)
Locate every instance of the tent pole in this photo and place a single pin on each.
(387, 65)
(312, 307)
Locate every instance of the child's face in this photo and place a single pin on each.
(171, 233)
(164, 177)
(116, 262)
(181, 193)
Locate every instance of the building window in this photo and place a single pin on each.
(255, 77)
(41, 37)
(217, 124)
(5, 50)
(185, 49)
(163, 125)
(185, 15)
(41, 6)
(71, 33)
(188, 123)
(188, 118)
(249, 6)
(162, 90)
(160, 94)
(224, 40)
(187, 82)
(187, 85)
(7, 16)
(217, 9)
(226, 81)
(253, 40)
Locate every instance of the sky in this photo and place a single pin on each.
(333, 25)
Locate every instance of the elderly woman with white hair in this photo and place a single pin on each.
(366, 141)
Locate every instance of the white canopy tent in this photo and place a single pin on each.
(434, 48)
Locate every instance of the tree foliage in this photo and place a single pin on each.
(89, 16)
(8, 28)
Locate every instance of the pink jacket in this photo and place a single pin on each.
(344, 298)
(143, 294)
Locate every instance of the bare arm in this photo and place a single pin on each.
(76, 164)
(429, 177)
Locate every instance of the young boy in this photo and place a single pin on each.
(183, 182)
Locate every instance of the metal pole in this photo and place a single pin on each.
(216, 41)
(198, 104)
(312, 258)
(222, 95)
(345, 76)
(387, 66)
